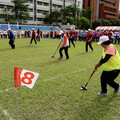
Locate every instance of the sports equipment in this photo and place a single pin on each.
(55, 51)
(85, 87)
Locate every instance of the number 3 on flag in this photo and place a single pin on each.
(24, 77)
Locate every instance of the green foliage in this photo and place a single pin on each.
(84, 23)
(53, 16)
(102, 22)
(21, 10)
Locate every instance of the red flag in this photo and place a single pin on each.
(17, 79)
(24, 77)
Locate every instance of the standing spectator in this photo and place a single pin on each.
(89, 40)
(84, 35)
(28, 32)
(111, 65)
(95, 36)
(33, 37)
(109, 34)
(119, 37)
(51, 33)
(22, 33)
(11, 38)
(64, 45)
(71, 37)
(38, 35)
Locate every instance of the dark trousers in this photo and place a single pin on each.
(11, 42)
(38, 38)
(32, 40)
(108, 77)
(90, 45)
(66, 52)
(72, 41)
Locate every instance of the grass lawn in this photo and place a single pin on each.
(56, 94)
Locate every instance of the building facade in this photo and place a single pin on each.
(106, 9)
(38, 7)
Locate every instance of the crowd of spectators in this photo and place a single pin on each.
(79, 34)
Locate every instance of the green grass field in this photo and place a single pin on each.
(56, 94)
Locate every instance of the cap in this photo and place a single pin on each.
(61, 32)
(9, 29)
(103, 39)
(32, 28)
(89, 29)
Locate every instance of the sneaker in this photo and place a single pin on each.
(102, 93)
(67, 58)
(116, 91)
(60, 58)
(29, 45)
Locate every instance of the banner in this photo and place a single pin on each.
(24, 77)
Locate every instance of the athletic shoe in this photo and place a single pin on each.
(60, 58)
(67, 58)
(29, 45)
(102, 93)
(116, 91)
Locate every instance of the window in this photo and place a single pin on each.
(40, 19)
(31, 18)
(30, 10)
(39, 3)
(46, 4)
(39, 11)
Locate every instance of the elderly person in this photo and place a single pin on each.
(33, 37)
(11, 36)
(64, 45)
(111, 65)
(89, 40)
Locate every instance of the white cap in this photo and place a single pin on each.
(9, 29)
(61, 32)
(32, 28)
(89, 29)
(103, 39)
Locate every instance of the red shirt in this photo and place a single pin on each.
(109, 34)
(88, 37)
(72, 34)
(33, 34)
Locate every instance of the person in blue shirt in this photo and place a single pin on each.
(95, 36)
(11, 38)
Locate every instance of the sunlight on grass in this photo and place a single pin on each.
(56, 94)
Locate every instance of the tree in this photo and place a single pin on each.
(52, 17)
(5, 13)
(21, 10)
(56, 15)
(84, 23)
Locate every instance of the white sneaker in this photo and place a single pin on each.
(102, 93)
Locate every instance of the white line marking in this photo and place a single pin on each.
(63, 74)
(48, 79)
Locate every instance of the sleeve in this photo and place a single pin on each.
(111, 51)
(107, 57)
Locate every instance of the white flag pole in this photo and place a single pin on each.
(16, 104)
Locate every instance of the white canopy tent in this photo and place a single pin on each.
(107, 28)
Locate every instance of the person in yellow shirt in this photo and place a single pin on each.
(111, 65)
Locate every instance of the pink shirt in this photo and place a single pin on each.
(111, 50)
